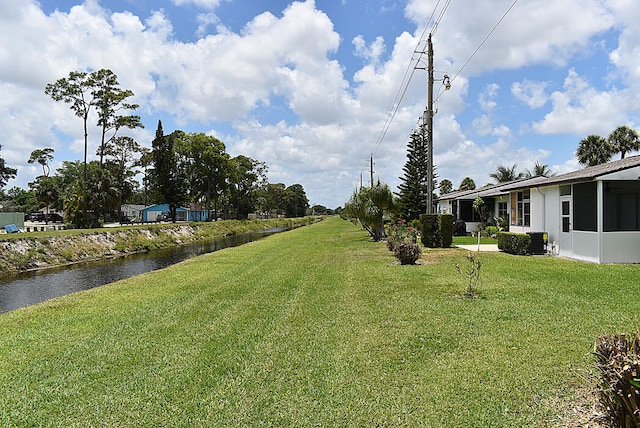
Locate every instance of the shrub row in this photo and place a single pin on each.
(514, 243)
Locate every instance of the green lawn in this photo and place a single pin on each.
(317, 326)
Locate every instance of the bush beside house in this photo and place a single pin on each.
(514, 243)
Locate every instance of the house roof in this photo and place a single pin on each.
(486, 191)
(585, 174)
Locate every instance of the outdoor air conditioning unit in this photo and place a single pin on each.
(538, 245)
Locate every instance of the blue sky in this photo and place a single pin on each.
(308, 86)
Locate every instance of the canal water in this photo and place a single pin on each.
(34, 287)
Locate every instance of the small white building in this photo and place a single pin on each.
(592, 214)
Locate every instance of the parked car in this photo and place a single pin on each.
(36, 216)
(53, 217)
(165, 216)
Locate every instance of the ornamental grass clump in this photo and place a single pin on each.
(402, 240)
(618, 359)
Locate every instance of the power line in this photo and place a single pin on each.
(406, 80)
(504, 15)
(434, 30)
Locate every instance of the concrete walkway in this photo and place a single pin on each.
(483, 247)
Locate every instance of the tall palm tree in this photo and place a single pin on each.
(505, 174)
(539, 170)
(624, 139)
(593, 150)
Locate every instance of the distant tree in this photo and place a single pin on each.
(539, 170)
(413, 189)
(296, 201)
(274, 200)
(121, 160)
(206, 166)
(46, 190)
(320, 210)
(506, 174)
(110, 100)
(368, 206)
(84, 91)
(623, 140)
(24, 200)
(246, 177)
(593, 150)
(446, 186)
(43, 157)
(76, 193)
(77, 90)
(6, 173)
(467, 184)
(146, 163)
(170, 181)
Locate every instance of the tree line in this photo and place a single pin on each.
(180, 169)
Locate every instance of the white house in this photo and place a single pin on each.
(592, 214)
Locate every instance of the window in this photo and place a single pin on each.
(521, 208)
(621, 206)
(585, 207)
(565, 190)
(566, 216)
(467, 213)
(503, 211)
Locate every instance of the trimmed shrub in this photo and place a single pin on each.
(618, 359)
(514, 243)
(430, 233)
(407, 252)
(446, 223)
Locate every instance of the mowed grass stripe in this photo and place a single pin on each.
(317, 326)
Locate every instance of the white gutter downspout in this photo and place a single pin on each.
(544, 209)
(544, 214)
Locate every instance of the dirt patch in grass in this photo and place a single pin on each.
(581, 409)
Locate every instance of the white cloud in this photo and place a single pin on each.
(531, 93)
(535, 31)
(582, 110)
(206, 4)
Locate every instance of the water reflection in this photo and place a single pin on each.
(35, 287)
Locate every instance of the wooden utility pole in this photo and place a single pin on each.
(372, 171)
(429, 120)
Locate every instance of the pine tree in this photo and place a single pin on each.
(413, 189)
(169, 179)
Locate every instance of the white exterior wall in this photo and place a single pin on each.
(538, 208)
(584, 246)
(445, 207)
(621, 247)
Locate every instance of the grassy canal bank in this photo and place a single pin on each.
(318, 326)
(38, 250)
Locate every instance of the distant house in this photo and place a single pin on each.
(592, 214)
(131, 211)
(158, 212)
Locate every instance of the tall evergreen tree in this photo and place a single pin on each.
(169, 179)
(412, 195)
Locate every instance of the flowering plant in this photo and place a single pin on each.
(401, 232)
